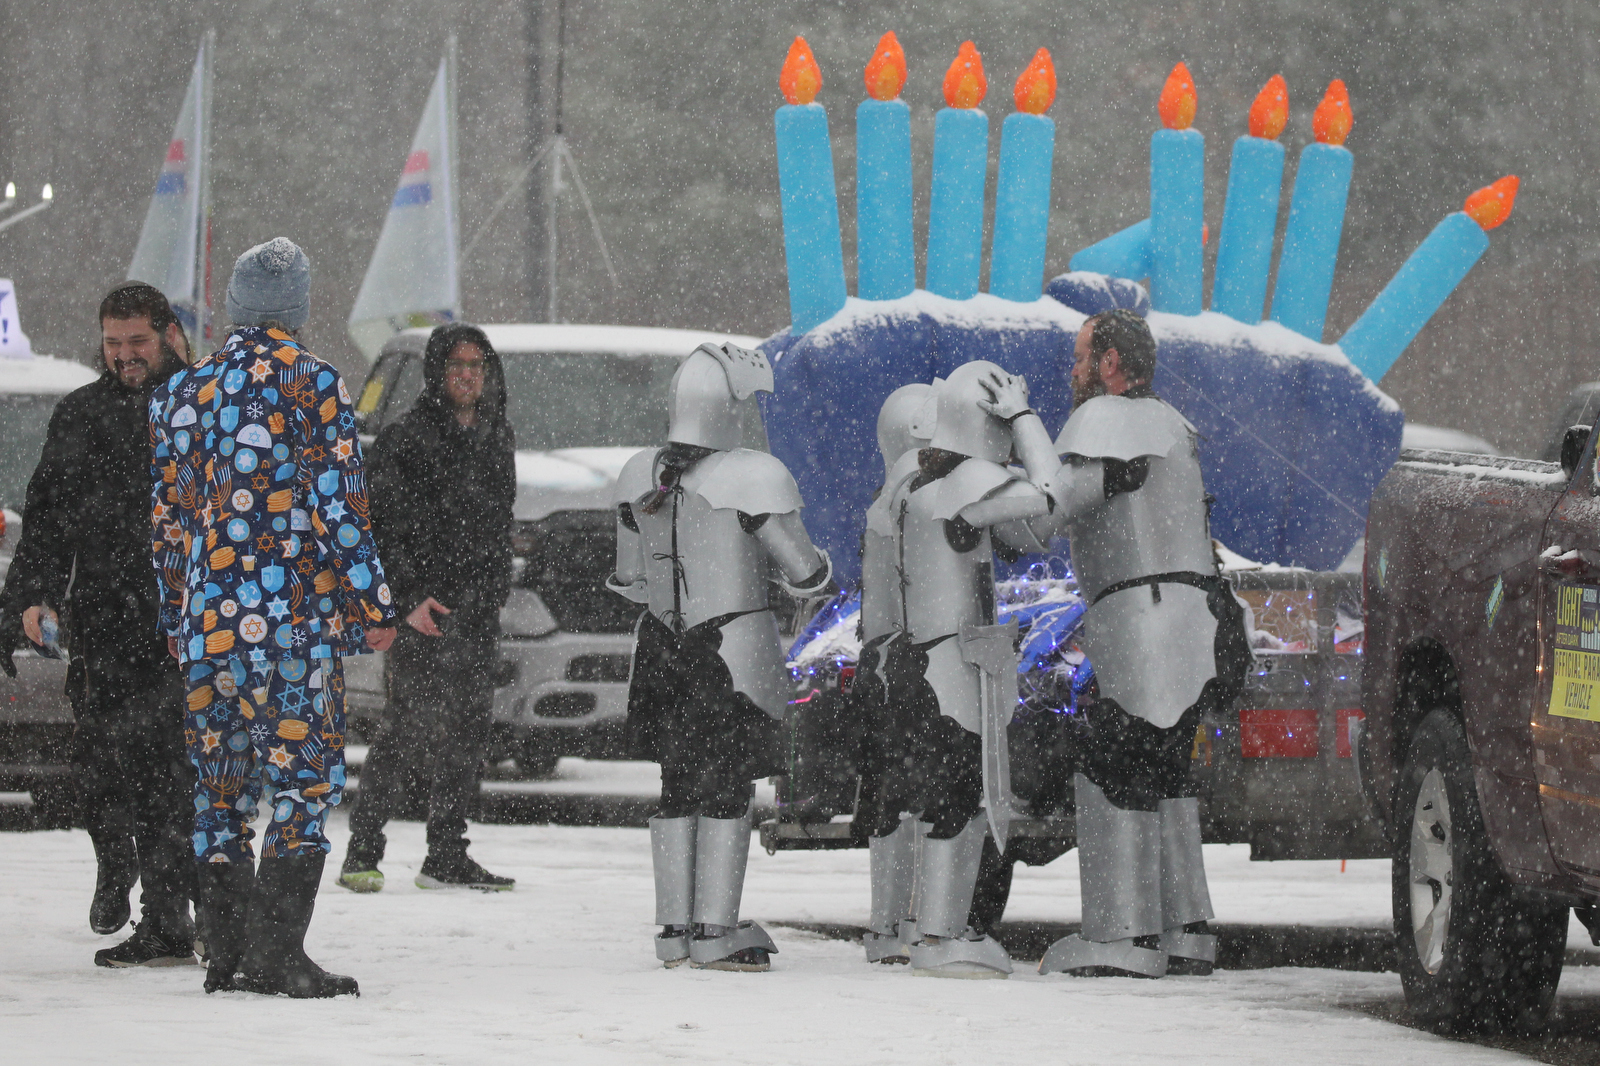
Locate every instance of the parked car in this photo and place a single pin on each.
(583, 400)
(1481, 748)
(35, 719)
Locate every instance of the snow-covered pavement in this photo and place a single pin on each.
(561, 971)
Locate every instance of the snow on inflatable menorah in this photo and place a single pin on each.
(1295, 435)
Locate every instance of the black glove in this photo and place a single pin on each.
(10, 637)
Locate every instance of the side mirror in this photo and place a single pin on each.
(1572, 444)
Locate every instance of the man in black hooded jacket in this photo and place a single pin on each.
(443, 481)
(85, 555)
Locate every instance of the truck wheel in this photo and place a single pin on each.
(536, 760)
(1475, 951)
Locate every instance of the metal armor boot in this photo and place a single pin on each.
(890, 928)
(1190, 946)
(721, 941)
(672, 856)
(1119, 864)
(947, 872)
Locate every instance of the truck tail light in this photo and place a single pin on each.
(1278, 734)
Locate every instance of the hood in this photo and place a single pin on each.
(492, 407)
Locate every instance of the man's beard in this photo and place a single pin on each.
(153, 375)
(1096, 386)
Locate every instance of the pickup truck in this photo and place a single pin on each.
(1480, 748)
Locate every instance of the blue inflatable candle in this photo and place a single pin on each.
(960, 164)
(1124, 254)
(1426, 280)
(886, 262)
(1022, 191)
(1177, 201)
(1250, 216)
(811, 245)
(1316, 219)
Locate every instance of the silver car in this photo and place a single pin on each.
(583, 401)
(35, 719)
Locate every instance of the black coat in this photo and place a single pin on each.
(88, 506)
(442, 494)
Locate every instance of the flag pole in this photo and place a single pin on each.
(452, 204)
(203, 271)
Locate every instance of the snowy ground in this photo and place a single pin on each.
(561, 971)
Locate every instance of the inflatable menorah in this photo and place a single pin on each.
(1295, 435)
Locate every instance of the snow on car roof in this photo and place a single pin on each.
(643, 340)
(42, 375)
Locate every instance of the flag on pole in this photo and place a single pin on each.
(173, 250)
(412, 278)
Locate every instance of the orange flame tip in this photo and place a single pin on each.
(1491, 205)
(1330, 123)
(1270, 113)
(964, 83)
(1178, 99)
(886, 70)
(1036, 86)
(801, 77)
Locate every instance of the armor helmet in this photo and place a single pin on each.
(964, 427)
(707, 405)
(897, 433)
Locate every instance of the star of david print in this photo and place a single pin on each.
(253, 629)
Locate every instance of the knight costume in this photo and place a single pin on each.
(1165, 637)
(951, 672)
(701, 526)
(885, 795)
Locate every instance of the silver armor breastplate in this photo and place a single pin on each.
(1159, 528)
(880, 585)
(944, 588)
(699, 562)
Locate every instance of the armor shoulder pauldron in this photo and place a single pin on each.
(636, 478)
(1115, 427)
(968, 483)
(749, 481)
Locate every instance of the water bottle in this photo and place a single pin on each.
(50, 631)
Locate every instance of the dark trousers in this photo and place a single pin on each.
(434, 735)
(135, 781)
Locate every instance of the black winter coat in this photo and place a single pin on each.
(88, 506)
(442, 494)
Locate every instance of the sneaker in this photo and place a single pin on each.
(149, 946)
(358, 876)
(461, 873)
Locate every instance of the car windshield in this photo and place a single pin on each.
(567, 400)
(26, 416)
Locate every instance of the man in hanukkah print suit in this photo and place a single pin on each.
(701, 526)
(1166, 639)
(269, 575)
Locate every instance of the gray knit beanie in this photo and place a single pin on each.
(271, 283)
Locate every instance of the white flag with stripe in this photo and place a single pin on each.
(412, 279)
(172, 249)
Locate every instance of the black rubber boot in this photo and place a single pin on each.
(116, 870)
(162, 937)
(223, 909)
(275, 962)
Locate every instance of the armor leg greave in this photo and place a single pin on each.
(1184, 896)
(722, 850)
(1185, 899)
(1119, 867)
(947, 873)
(1119, 870)
(892, 861)
(672, 851)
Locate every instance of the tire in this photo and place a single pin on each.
(1476, 953)
(536, 760)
